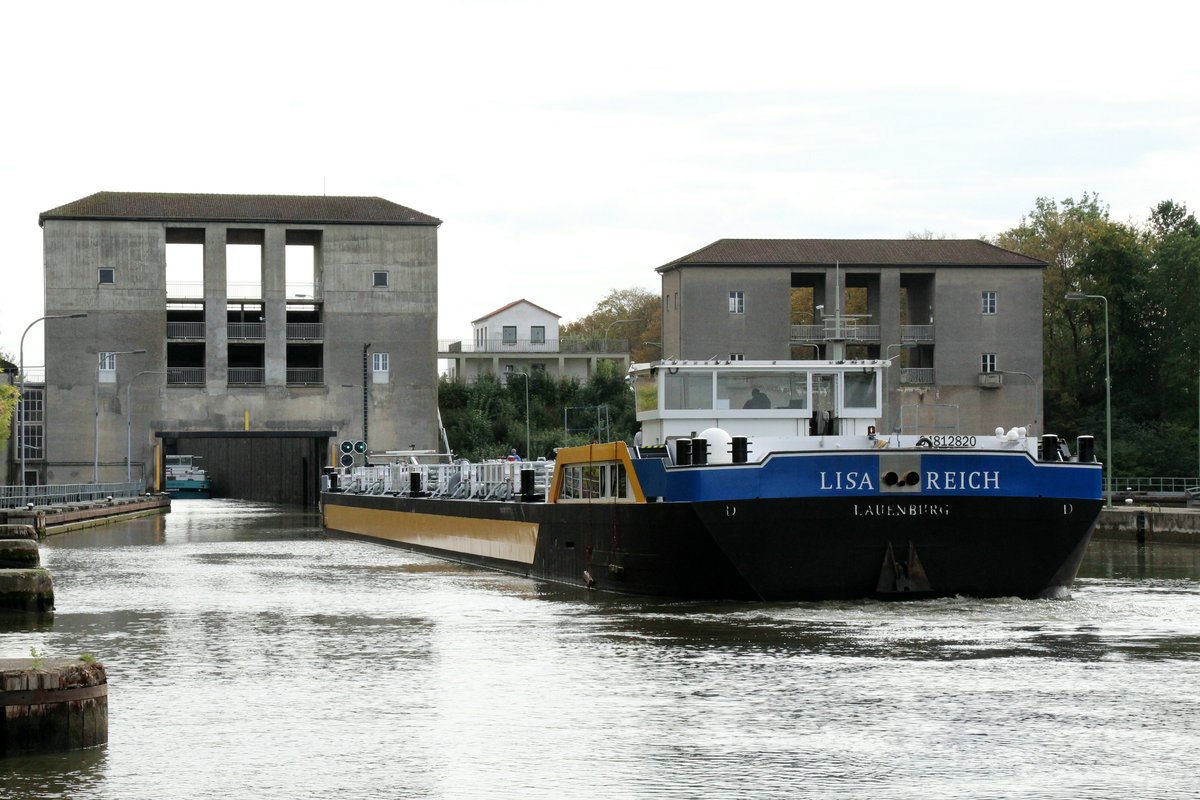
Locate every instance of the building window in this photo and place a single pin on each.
(988, 363)
(737, 303)
(509, 369)
(510, 334)
(537, 334)
(737, 356)
(379, 279)
(989, 302)
(380, 366)
(107, 368)
(106, 275)
(536, 367)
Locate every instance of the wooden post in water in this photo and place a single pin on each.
(49, 705)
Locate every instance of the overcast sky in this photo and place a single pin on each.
(571, 148)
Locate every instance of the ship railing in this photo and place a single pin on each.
(488, 480)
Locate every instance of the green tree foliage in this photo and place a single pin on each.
(8, 405)
(630, 317)
(1150, 276)
(486, 418)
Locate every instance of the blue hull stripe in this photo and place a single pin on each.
(861, 474)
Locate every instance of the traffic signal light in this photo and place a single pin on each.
(360, 447)
(347, 446)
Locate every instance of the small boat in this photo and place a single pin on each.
(751, 481)
(185, 478)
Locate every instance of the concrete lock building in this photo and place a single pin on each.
(979, 366)
(255, 331)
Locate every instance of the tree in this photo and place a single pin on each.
(633, 316)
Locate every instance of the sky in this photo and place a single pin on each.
(571, 148)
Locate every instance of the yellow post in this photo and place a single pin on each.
(247, 420)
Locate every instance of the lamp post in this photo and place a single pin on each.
(1033, 384)
(613, 324)
(1108, 468)
(525, 375)
(887, 389)
(129, 418)
(96, 415)
(21, 390)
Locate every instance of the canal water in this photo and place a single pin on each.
(251, 656)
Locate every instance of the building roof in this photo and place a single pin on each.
(853, 252)
(510, 305)
(180, 207)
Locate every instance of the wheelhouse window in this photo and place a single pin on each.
(737, 303)
(989, 303)
(859, 388)
(761, 390)
(595, 482)
(737, 356)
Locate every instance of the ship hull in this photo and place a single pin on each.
(806, 548)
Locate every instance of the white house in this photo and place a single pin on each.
(523, 337)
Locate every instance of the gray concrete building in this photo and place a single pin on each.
(962, 319)
(254, 330)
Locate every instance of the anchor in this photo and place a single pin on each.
(902, 577)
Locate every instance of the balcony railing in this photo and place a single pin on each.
(916, 333)
(185, 376)
(246, 376)
(247, 330)
(305, 376)
(920, 376)
(849, 330)
(185, 290)
(185, 330)
(531, 346)
(305, 331)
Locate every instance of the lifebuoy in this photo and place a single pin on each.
(924, 441)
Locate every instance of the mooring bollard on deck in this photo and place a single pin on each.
(52, 704)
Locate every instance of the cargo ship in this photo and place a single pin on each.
(765, 481)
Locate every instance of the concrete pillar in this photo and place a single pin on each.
(275, 306)
(216, 329)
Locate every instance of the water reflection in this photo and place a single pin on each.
(238, 635)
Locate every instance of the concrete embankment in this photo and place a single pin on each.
(1149, 524)
(52, 704)
(48, 520)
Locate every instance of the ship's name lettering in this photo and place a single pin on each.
(909, 510)
(946, 481)
(955, 481)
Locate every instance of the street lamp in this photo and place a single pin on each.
(1033, 383)
(525, 375)
(21, 391)
(129, 418)
(1108, 468)
(613, 324)
(96, 415)
(887, 389)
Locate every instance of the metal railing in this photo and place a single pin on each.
(1154, 485)
(305, 376)
(185, 290)
(916, 333)
(305, 331)
(921, 376)
(808, 333)
(247, 330)
(185, 376)
(246, 376)
(61, 494)
(531, 346)
(185, 330)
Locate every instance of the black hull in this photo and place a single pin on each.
(794, 549)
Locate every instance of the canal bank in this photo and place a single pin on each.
(64, 517)
(1148, 523)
